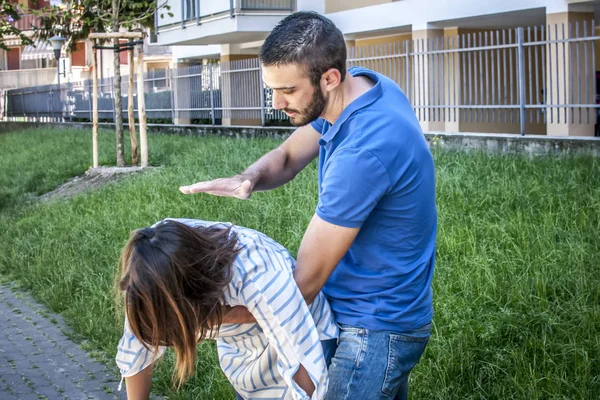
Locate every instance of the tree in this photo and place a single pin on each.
(76, 19)
(8, 16)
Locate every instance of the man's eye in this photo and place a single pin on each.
(288, 91)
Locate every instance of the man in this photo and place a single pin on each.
(371, 243)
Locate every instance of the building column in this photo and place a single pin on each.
(239, 89)
(425, 78)
(566, 79)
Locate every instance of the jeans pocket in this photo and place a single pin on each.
(404, 352)
(350, 329)
(352, 343)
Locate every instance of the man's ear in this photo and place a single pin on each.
(331, 79)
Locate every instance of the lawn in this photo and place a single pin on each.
(517, 284)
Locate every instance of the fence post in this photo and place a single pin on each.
(212, 102)
(521, 68)
(171, 84)
(261, 87)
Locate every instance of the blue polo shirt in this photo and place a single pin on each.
(376, 172)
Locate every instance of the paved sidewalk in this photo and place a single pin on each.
(37, 360)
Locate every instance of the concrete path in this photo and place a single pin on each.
(37, 360)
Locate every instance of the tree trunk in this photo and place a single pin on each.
(130, 114)
(118, 103)
(95, 107)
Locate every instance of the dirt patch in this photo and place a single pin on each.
(94, 178)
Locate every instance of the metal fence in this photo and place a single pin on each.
(513, 80)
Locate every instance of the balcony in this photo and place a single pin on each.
(200, 22)
(26, 23)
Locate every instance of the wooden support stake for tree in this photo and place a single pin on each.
(130, 114)
(142, 106)
(95, 106)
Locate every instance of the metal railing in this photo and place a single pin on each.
(187, 12)
(512, 81)
(26, 22)
(275, 5)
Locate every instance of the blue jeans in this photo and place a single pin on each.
(374, 365)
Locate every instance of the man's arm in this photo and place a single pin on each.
(272, 170)
(323, 246)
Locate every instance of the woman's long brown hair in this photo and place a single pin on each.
(172, 279)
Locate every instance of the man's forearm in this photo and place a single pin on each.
(270, 171)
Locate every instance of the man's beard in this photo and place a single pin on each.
(313, 111)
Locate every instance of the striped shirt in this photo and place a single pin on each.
(259, 359)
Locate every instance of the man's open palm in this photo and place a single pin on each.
(238, 187)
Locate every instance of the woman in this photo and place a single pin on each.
(178, 276)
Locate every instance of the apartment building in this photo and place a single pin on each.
(467, 65)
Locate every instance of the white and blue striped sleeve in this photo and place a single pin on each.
(132, 356)
(271, 295)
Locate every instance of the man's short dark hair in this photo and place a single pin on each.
(308, 39)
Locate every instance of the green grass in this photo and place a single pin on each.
(517, 285)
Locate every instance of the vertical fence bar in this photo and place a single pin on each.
(537, 76)
(112, 95)
(427, 66)
(475, 78)
(587, 77)
(549, 95)
(492, 66)
(261, 88)
(172, 87)
(454, 75)
(37, 110)
(418, 80)
(406, 70)
(557, 75)
(470, 61)
(89, 85)
(578, 70)
(463, 93)
(69, 104)
(438, 67)
(593, 33)
(521, 64)
(444, 84)
(544, 37)
(505, 80)
(564, 47)
(481, 76)
(498, 109)
(52, 104)
(23, 104)
(210, 85)
(510, 63)
(530, 72)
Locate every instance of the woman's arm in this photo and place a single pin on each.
(304, 381)
(138, 385)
